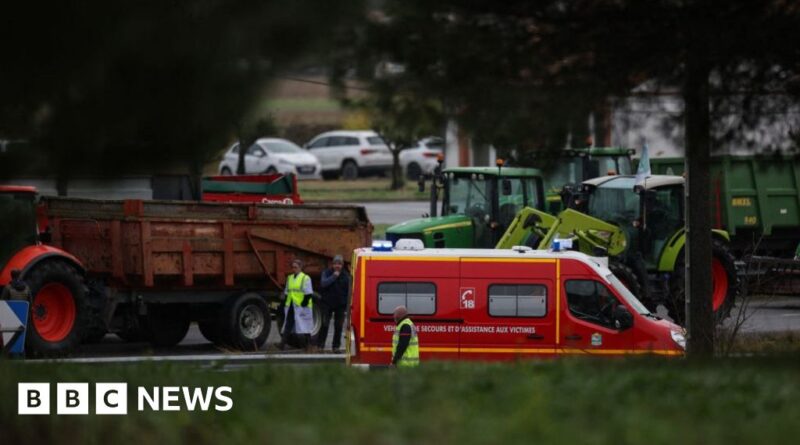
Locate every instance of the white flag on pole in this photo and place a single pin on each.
(643, 172)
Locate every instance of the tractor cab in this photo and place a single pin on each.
(18, 224)
(650, 214)
(579, 164)
(477, 205)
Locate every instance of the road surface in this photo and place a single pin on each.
(762, 316)
(393, 212)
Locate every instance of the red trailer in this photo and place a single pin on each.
(265, 189)
(150, 268)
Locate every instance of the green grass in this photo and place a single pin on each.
(358, 190)
(303, 104)
(631, 401)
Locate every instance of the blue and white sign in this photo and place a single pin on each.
(13, 320)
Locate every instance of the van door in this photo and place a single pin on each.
(587, 325)
(508, 308)
(428, 289)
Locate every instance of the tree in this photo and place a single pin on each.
(109, 88)
(247, 133)
(526, 75)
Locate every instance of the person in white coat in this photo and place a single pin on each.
(297, 307)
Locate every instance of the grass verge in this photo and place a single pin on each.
(580, 401)
(358, 190)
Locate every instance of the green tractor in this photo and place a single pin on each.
(579, 164)
(479, 203)
(641, 229)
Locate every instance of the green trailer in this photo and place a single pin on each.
(756, 199)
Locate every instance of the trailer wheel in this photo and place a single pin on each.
(725, 285)
(59, 309)
(280, 318)
(211, 331)
(165, 327)
(246, 322)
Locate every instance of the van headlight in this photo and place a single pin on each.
(679, 339)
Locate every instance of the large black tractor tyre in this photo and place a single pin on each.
(725, 285)
(164, 326)
(59, 310)
(628, 277)
(245, 322)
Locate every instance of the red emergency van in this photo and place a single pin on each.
(479, 304)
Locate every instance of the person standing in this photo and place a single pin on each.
(335, 290)
(405, 342)
(16, 288)
(297, 307)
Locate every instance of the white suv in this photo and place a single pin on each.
(422, 158)
(351, 154)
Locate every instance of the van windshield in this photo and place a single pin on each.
(627, 295)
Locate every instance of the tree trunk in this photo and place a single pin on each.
(397, 171)
(699, 316)
(240, 166)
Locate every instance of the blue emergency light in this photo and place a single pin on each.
(381, 246)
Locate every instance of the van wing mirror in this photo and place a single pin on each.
(622, 318)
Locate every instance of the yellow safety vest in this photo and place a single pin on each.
(410, 358)
(294, 289)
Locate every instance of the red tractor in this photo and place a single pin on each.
(58, 292)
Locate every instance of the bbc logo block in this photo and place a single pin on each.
(112, 398)
(33, 398)
(72, 399)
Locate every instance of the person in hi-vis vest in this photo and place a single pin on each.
(297, 306)
(405, 342)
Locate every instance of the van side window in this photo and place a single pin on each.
(517, 300)
(418, 298)
(591, 301)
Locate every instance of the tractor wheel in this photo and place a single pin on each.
(164, 327)
(59, 310)
(628, 277)
(246, 322)
(725, 285)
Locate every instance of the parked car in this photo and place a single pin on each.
(422, 159)
(351, 154)
(272, 155)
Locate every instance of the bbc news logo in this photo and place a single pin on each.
(112, 398)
